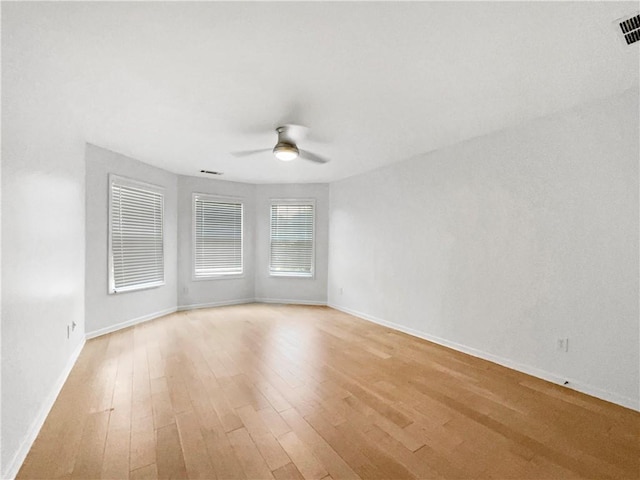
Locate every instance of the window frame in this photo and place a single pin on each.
(219, 199)
(294, 201)
(137, 184)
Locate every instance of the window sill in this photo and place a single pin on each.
(218, 277)
(136, 288)
(292, 275)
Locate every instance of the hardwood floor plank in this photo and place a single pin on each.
(229, 419)
(404, 456)
(91, 453)
(142, 447)
(169, 457)
(149, 472)
(55, 450)
(328, 457)
(163, 413)
(116, 453)
(308, 465)
(390, 467)
(348, 451)
(274, 421)
(267, 444)
(223, 458)
(288, 472)
(252, 462)
(194, 449)
(178, 393)
(290, 392)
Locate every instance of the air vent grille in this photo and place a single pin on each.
(631, 29)
(210, 172)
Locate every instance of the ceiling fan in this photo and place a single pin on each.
(286, 149)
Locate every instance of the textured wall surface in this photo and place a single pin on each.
(505, 243)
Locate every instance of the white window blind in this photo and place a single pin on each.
(292, 242)
(136, 238)
(217, 237)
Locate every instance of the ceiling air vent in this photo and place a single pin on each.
(631, 29)
(210, 172)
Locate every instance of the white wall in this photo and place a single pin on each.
(1, 470)
(255, 284)
(106, 312)
(502, 244)
(218, 291)
(292, 289)
(42, 234)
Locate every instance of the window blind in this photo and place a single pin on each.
(137, 251)
(292, 226)
(218, 237)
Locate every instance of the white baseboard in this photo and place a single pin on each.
(290, 301)
(622, 400)
(129, 323)
(14, 465)
(196, 306)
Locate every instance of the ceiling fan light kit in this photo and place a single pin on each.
(285, 151)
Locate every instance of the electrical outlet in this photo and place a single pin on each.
(341, 291)
(562, 344)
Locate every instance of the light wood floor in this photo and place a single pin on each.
(289, 392)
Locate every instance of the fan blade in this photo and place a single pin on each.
(246, 153)
(312, 157)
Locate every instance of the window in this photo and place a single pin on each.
(292, 241)
(136, 252)
(217, 236)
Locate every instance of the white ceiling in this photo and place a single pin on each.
(180, 85)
